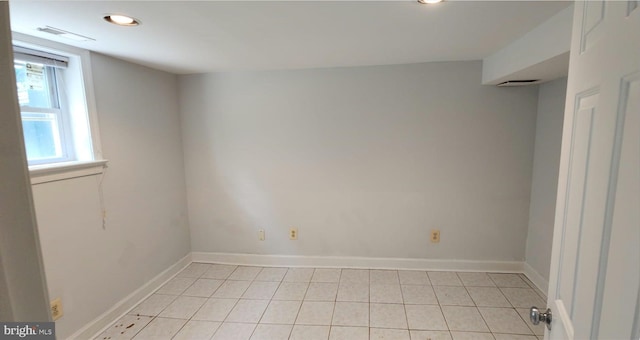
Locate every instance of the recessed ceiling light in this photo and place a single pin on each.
(429, 1)
(122, 20)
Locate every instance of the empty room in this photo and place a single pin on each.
(320, 169)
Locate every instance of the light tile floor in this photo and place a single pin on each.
(212, 301)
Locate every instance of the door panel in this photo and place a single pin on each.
(591, 29)
(563, 326)
(621, 268)
(595, 270)
(583, 127)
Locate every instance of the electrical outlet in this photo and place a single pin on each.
(261, 234)
(56, 309)
(435, 236)
(293, 233)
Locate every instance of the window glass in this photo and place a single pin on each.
(42, 136)
(36, 85)
(42, 118)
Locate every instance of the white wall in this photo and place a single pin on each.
(544, 183)
(92, 268)
(23, 295)
(364, 161)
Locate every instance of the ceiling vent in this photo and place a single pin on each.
(64, 34)
(519, 82)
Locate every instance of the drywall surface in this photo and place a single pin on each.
(92, 267)
(23, 295)
(548, 42)
(363, 161)
(544, 185)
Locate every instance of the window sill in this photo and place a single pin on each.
(62, 171)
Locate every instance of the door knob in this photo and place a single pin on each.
(537, 316)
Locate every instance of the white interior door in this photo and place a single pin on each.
(595, 266)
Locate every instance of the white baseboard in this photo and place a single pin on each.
(535, 277)
(99, 324)
(358, 262)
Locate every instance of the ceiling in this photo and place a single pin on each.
(205, 36)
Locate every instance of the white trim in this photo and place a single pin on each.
(99, 324)
(538, 280)
(92, 108)
(563, 317)
(359, 262)
(61, 171)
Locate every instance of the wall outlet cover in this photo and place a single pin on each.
(56, 309)
(435, 236)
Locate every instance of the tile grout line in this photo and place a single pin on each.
(268, 304)
(335, 301)
(369, 286)
(476, 304)
(334, 306)
(234, 305)
(188, 320)
(404, 305)
(164, 308)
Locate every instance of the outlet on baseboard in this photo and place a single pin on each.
(293, 233)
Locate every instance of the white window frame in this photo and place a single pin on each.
(64, 137)
(80, 100)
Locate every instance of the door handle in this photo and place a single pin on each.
(537, 316)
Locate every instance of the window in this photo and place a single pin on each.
(45, 117)
(58, 112)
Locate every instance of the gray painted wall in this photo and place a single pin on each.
(92, 268)
(23, 295)
(363, 161)
(544, 184)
